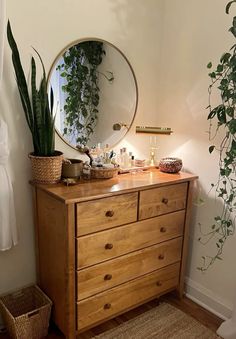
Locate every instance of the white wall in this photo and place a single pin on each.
(194, 33)
(168, 43)
(49, 26)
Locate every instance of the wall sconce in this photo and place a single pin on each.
(153, 130)
(119, 125)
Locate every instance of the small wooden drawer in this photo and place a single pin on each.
(106, 275)
(101, 246)
(100, 214)
(107, 304)
(162, 200)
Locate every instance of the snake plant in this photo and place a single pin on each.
(35, 102)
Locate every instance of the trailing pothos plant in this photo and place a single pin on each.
(222, 119)
(80, 71)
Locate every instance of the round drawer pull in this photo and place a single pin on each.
(165, 201)
(159, 283)
(108, 277)
(161, 256)
(107, 306)
(162, 229)
(108, 246)
(109, 213)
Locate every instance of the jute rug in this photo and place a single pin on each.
(163, 322)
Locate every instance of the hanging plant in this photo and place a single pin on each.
(80, 70)
(223, 119)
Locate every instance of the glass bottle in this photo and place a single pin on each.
(125, 158)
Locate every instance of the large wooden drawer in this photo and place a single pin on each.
(101, 246)
(162, 200)
(100, 214)
(111, 273)
(107, 304)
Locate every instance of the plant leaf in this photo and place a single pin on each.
(20, 78)
(228, 6)
(211, 149)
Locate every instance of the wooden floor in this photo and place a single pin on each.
(186, 305)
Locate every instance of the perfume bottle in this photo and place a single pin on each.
(119, 158)
(125, 158)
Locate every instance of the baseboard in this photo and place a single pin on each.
(205, 298)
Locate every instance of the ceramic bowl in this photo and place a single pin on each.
(170, 165)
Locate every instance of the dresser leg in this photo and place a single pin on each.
(178, 293)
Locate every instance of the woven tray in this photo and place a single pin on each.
(103, 173)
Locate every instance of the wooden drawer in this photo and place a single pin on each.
(101, 246)
(106, 275)
(162, 200)
(107, 304)
(105, 213)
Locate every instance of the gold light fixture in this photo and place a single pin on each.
(153, 130)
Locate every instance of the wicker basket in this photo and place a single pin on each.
(103, 173)
(26, 313)
(46, 170)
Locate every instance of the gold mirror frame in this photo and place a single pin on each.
(59, 55)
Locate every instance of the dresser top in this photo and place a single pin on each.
(123, 183)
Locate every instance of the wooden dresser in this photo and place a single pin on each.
(106, 246)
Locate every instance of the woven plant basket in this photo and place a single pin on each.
(46, 170)
(26, 313)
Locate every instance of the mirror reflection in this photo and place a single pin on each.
(95, 94)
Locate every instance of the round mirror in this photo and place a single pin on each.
(95, 94)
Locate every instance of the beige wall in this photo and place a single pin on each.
(194, 33)
(168, 43)
(49, 26)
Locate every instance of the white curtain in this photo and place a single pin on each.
(2, 33)
(8, 231)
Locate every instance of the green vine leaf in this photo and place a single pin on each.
(225, 57)
(223, 78)
(232, 126)
(81, 87)
(211, 149)
(228, 6)
(212, 114)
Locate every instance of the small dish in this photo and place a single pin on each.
(70, 181)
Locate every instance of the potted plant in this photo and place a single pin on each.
(222, 119)
(38, 108)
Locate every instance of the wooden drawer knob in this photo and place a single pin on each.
(158, 283)
(109, 213)
(165, 201)
(161, 256)
(108, 246)
(162, 229)
(108, 277)
(107, 306)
